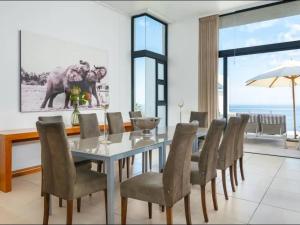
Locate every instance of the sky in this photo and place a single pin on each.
(243, 68)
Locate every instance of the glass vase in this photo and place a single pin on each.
(75, 116)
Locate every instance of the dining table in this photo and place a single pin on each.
(111, 148)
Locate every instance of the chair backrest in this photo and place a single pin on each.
(89, 126)
(59, 172)
(226, 150)
(201, 117)
(115, 123)
(50, 118)
(239, 143)
(176, 175)
(134, 114)
(208, 157)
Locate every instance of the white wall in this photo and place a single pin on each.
(183, 68)
(86, 23)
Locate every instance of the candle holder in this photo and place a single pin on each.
(180, 105)
(105, 134)
(103, 92)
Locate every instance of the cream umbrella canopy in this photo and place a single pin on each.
(286, 75)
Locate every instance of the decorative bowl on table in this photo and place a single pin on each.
(146, 123)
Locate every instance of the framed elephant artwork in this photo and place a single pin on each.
(51, 67)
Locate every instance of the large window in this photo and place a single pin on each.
(149, 67)
(248, 50)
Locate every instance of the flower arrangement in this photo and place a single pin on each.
(78, 97)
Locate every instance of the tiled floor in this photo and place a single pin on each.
(271, 145)
(270, 194)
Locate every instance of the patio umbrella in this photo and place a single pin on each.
(287, 75)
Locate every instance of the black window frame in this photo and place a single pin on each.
(159, 58)
(260, 49)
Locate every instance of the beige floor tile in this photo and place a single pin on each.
(286, 185)
(281, 199)
(271, 215)
(288, 174)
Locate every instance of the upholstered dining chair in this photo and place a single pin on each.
(200, 117)
(226, 152)
(79, 162)
(116, 126)
(239, 147)
(89, 128)
(169, 187)
(138, 114)
(207, 163)
(61, 177)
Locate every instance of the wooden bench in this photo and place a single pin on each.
(7, 138)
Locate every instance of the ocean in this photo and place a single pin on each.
(286, 110)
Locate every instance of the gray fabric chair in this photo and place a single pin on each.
(61, 178)
(89, 128)
(116, 126)
(200, 117)
(168, 188)
(138, 114)
(207, 163)
(134, 114)
(239, 147)
(226, 152)
(79, 162)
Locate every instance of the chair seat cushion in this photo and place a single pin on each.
(88, 182)
(195, 157)
(145, 187)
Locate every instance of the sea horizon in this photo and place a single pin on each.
(286, 110)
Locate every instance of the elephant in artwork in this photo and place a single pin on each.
(60, 81)
(93, 77)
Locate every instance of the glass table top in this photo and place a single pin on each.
(125, 142)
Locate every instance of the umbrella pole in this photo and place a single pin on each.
(294, 107)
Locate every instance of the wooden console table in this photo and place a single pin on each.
(7, 138)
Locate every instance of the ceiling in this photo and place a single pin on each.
(172, 11)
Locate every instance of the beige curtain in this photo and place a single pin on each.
(208, 66)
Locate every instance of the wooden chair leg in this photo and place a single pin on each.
(46, 208)
(123, 163)
(128, 166)
(78, 204)
(60, 202)
(132, 160)
(242, 168)
(124, 210)
(235, 172)
(214, 194)
(150, 210)
(231, 178)
(69, 211)
(203, 200)
(150, 160)
(120, 170)
(224, 184)
(169, 214)
(105, 197)
(99, 166)
(187, 209)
